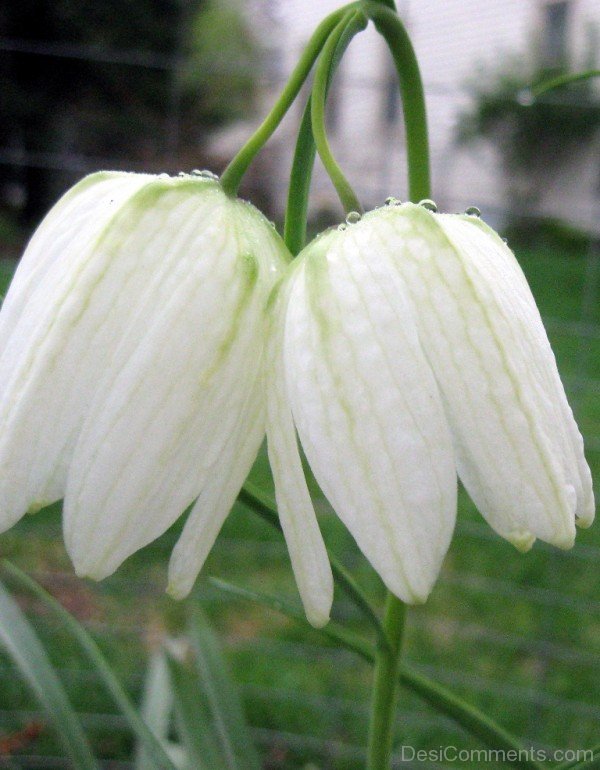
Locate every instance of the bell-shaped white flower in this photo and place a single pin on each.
(410, 345)
(131, 365)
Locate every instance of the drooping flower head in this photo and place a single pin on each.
(408, 346)
(131, 363)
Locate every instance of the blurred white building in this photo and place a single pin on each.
(454, 39)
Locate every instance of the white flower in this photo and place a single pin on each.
(131, 365)
(409, 347)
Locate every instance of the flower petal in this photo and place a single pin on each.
(298, 520)
(546, 375)
(224, 482)
(175, 386)
(475, 325)
(48, 358)
(367, 408)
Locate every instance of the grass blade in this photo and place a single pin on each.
(22, 644)
(157, 709)
(332, 630)
(192, 715)
(441, 699)
(222, 697)
(159, 759)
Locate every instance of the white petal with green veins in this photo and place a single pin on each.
(224, 482)
(299, 523)
(545, 374)
(173, 390)
(367, 408)
(48, 366)
(475, 327)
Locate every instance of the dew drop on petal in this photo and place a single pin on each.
(391, 201)
(429, 205)
(341, 228)
(472, 211)
(353, 217)
(164, 176)
(204, 173)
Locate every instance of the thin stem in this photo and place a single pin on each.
(296, 212)
(562, 80)
(391, 27)
(232, 176)
(385, 687)
(294, 231)
(471, 719)
(318, 103)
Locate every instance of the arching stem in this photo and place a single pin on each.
(304, 156)
(318, 103)
(393, 30)
(232, 176)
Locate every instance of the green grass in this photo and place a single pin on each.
(519, 635)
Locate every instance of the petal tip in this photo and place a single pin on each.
(522, 539)
(317, 618)
(178, 589)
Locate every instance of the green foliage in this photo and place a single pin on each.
(527, 130)
(20, 641)
(125, 83)
(547, 233)
(221, 64)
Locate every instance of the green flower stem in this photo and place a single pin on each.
(385, 687)
(296, 212)
(392, 29)
(318, 103)
(562, 80)
(232, 176)
(294, 233)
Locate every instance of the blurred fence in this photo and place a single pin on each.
(542, 623)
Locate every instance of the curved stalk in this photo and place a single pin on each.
(296, 214)
(318, 103)
(390, 26)
(232, 176)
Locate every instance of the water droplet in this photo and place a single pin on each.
(429, 205)
(353, 217)
(164, 176)
(472, 211)
(204, 173)
(181, 173)
(391, 201)
(341, 228)
(525, 97)
(505, 240)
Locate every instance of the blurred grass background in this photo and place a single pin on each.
(519, 635)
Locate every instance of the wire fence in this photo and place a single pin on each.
(556, 654)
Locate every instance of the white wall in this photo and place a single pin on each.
(454, 39)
